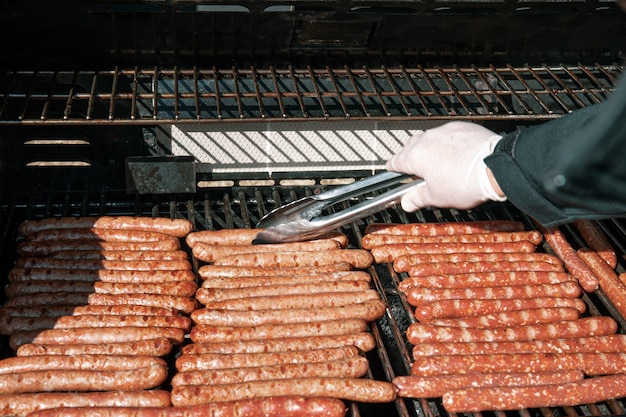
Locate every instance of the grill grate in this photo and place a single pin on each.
(187, 95)
(242, 207)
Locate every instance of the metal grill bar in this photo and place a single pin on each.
(180, 95)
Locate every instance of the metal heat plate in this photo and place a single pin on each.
(160, 175)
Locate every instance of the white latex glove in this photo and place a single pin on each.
(450, 160)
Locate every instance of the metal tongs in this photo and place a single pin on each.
(300, 220)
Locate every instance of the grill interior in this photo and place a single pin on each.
(251, 104)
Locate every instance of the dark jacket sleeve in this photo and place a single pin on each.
(570, 168)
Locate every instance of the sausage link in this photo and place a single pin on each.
(63, 380)
(47, 248)
(574, 265)
(175, 227)
(466, 307)
(352, 367)
(225, 271)
(15, 365)
(368, 311)
(445, 228)
(181, 289)
(363, 340)
(357, 258)
(256, 281)
(352, 389)
(206, 333)
(388, 253)
(419, 295)
(256, 407)
(22, 405)
(485, 279)
(99, 234)
(511, 318)
(244, 237)
(104, 275)
(91, 264)
(592, 344)
(591, 364)
(210, 253)
(608, 279)
(210, 295)
(435, 386)
(446, 268)
(596, 240)
(372, 240)
(281, 302)
(587, 391)
(152, 347)
(89, 336)
(586, 326)
(121, 255)
(209, 361)
(405, 262)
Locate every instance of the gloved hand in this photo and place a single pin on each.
(450, 160)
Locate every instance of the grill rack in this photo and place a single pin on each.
(146, 96)
(242, 207)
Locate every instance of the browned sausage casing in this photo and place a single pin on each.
(511, 318)
(152, 347)
(24, 404)
(446, 228)
(104, 275)
(405, 262)
(363, 340)
(209, 253)
(91, 264)
(46, 248)
(446, 268)
(485, 279)
(244, 237)
(104, 362)
(228, 271)
(357, 258)
(58, 311)
(353, 389)
(256, 281)
(372, 240)
(597, 240)
(608, 279)
(180, 289)
(255, 407)
(121, 255)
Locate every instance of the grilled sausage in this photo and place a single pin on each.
(244, 237)
(209, 361)
(357, 258)
(210, 295)
(256, 407)
(152, 347)
(58, 311)
(24, 404)
(511, 318)
(148, 377)
(377, 239)
(175, 227)
(587, 391)
(17, 365)
(221, 271)
(592, 344)
(207, 333)
(586, 326)
(447, 268)
(255, 281)
(389, 253)
(435, 386)
(460, 308)
(99, 234)
(609, 281)
(352, 367)
(353, 389)
(89, 336)
(485, 279)
(104, 275)
(46, 248)
(596, 240)
(121, 255)
(405, 262)
(574, 265)
(180, 289)
(368, 311)
(209, 253)
(419, 295)
(91, 264)
(445, 228)
(363, 340)
(281, 302)
(602, 363)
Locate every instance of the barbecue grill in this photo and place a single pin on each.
(221, 111)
